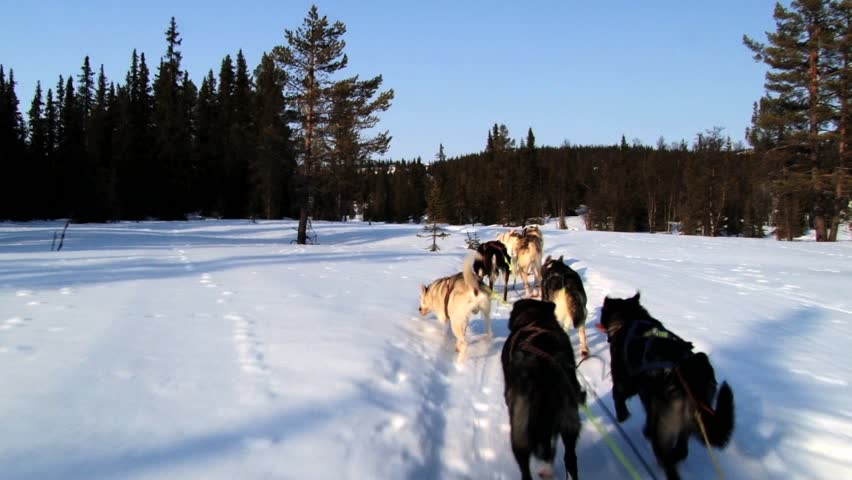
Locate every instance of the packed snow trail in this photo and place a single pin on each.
(219, 350)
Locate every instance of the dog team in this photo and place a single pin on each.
(676, 385)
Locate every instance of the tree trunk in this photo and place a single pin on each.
(302, 232)
(839, 200)
(819, 226)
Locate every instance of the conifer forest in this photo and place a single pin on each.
(300, 136)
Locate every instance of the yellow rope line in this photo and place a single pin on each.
(612, 446)
(497, 297)
(716, 465)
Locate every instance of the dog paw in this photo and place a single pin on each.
(622, 416)
(584, 353)
(545, 471)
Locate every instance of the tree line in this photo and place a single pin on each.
(283, 138)
(291, 138)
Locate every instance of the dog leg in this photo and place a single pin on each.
(505, 285)
(523, 276)
(459, 325)
(620, 401)
(522, 456)
(584, 348)
(486, 316)
(569, 439)
(665, 439)
(545, 471)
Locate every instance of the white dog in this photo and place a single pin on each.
(455, 298)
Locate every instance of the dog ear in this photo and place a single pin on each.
(422, 289)
(560, 258)
(546, 260)
(636, 297)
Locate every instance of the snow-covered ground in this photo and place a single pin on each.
(219, 350)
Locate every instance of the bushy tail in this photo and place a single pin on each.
(720, 425)
(470, 278)
(578, 308)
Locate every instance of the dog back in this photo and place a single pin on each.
(557, 277)
(542, 390)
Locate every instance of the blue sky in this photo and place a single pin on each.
(576, 70)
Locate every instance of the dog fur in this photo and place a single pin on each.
(668, 401)
(530, 249)
(495, 261)
(542, 392)
(563, 286)
(455, 298)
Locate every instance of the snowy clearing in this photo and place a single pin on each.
(219, 350)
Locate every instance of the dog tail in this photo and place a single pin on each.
(578, 307)
(470, 278)
(720, 425)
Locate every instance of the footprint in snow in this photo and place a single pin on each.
(13, 322)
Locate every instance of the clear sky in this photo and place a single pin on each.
(577, 70)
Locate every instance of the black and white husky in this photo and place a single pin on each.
(563, 286)
(677, 386)
(542, 392)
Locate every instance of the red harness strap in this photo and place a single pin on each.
(527, 345)
(695, 402)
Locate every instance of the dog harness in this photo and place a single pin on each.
(447, 299)
(649, 348)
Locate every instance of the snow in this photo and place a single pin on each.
(219, 350)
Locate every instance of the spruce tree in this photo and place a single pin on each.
(240, 141)
(12, 149)
(171, 169)
(208, 146)
(86, 90)
(272, 163)
(72, 156)
(39, 170)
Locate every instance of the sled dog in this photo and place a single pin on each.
(563, 286)
(529, 253)
(542, 392)
(676, 385)
(495, 261)
(455, 298)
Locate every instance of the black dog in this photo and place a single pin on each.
(495, 260)
(675, 384)
(542, 391)
(563, 286)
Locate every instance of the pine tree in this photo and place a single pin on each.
(354, 105)
(314, 52)
(799, 110)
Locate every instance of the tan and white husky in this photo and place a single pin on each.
(455, 298)
(529, 252)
